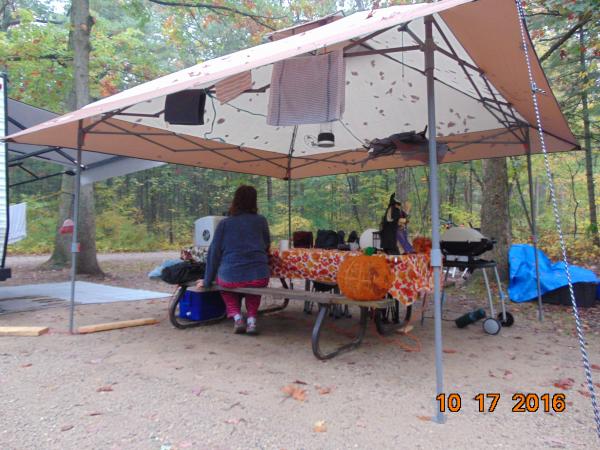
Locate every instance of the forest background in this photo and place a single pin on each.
(133, 41)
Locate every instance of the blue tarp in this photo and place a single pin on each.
(522, 286)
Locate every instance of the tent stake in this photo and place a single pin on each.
(534, 231)
(436, 255)
(74, 243)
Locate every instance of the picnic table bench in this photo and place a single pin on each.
(325, 300)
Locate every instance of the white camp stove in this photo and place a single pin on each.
(204, 230)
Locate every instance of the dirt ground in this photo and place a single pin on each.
(156, 387)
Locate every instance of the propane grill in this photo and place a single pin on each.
(464, 244)
(461, 247)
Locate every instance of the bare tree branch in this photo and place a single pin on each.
(58, 58)
(584, 20)
(216, 8)
(545, 13)
(13, 23)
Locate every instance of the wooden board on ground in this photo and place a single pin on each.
(23, 331)
(116, 325)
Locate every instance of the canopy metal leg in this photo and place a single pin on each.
(74, 242)
(534, 233)
(436, 255)
(289, 182)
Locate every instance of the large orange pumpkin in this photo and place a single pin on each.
(364, 277)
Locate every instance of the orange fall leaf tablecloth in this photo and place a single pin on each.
(412, 272)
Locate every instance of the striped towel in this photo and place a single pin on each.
(232, 87)
(307, 89)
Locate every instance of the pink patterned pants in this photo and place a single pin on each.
(233, 300)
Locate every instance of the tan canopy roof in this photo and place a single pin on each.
(482, 95)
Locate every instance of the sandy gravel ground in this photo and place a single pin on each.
(157, 387)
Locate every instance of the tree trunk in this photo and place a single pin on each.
(589, 167)
(402, 185)
(352, 181)
(270, 197)
(61, 256)
(495, 219)
(5, 15)
(79, 41)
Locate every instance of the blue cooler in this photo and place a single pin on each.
(201, 306)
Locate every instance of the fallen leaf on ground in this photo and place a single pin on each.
(234, 421)
(104, 389)
(424, 418)
(564, 383)
(324, 391)
(595, 367)
(320, 427)
(26, 365)
(294, 392)
(491, 374)
(300, 382)
(405, 329)
(66, 427)
(585, 393)
(198, 391)
(95, 413)
(244, 392)
(507, 375)
(450, 350)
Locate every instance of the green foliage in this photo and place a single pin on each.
(41, 227)
(137, 40)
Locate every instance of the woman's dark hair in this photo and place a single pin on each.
(244, 201)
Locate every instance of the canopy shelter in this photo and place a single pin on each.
(98, 167)
(457, 66)
(482, 96)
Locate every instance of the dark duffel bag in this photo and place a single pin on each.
(327, 239)
(184, 272)
(303, 239)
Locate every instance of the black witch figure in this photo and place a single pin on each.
(394, 229)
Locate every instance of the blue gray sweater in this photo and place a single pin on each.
(238, 251)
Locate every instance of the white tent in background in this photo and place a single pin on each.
(98, 166)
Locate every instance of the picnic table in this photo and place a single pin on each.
(412, 274)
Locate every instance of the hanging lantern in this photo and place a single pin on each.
(67, 227)
(326, 137)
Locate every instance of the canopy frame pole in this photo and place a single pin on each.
(289, 181)
(74, 242)
(436, 254)
(534, 237)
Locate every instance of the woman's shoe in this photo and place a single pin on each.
(239, 326)
(251, 327)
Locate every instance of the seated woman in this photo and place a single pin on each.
(238, 257)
